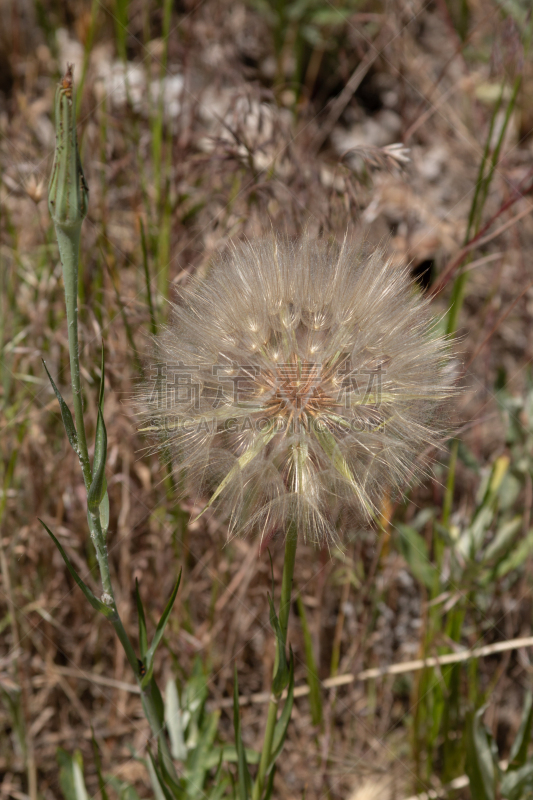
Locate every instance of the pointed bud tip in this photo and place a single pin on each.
(68, 194)
(67, 81)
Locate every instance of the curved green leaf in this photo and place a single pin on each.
(158, 635)
(281, 678)
(66, 416)
(244, 781)
(98, 486)
(480, 763)
(71, 775)
(315, 695)
(280, 731)
(518, 754)
(143, 638)
(96, 604)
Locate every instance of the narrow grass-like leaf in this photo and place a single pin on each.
(159, 634)
(244, 782)
(89, 36)
(269, 788)
(143, 638)
(518, 754)
(96, 604)
(517, 784)
(169, 781)
(98, 765)
(221, 784)
(66, 416)
(479, 765)
(272, 581)
(102, 381)
(315, 695)
(199, 757)
(517, 556)
(161, 792)
(98, 487)
(486, 172)
(159, 706)
(104, 514)
(71, 775)
(280, 731)
(414, 549)
(501, 544)
(228, 753)
(121, 17)
(281, 678)
(153, 326)
(174, 721)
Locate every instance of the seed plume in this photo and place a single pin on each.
(297, 382)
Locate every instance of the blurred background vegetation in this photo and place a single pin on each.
(202, 121)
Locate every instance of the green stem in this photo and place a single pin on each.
(448, 496)
(291, 543)
(99, 541)
(151, 715)
(270, 727)
(478, 202)
(67, 201)
(147, 700)
(68, 239)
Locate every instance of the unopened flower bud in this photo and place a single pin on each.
(68, 195)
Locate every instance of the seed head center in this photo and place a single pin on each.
(297, 391)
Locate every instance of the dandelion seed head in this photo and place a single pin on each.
(297, 383)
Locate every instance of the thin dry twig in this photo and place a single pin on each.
(329, 683)
(394, 669)
(482, 237)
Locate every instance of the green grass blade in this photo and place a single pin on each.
(244, 782)
(159, 633)
(71, 775)
(174, 721)
(98, 487)
(143, 638)
(479, 764)
(96, 604)
(280, 731)
(161, 792)
(518, 754)
(66, 416)
(153, 325)
(269, 788)
(281, 678)
(200, 759)
(102, 381)
(414, 549)
(315, 695)
(98, 764)
(168, 780)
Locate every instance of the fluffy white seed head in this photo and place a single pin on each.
(298, 381)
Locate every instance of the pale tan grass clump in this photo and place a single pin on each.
(298, 381)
